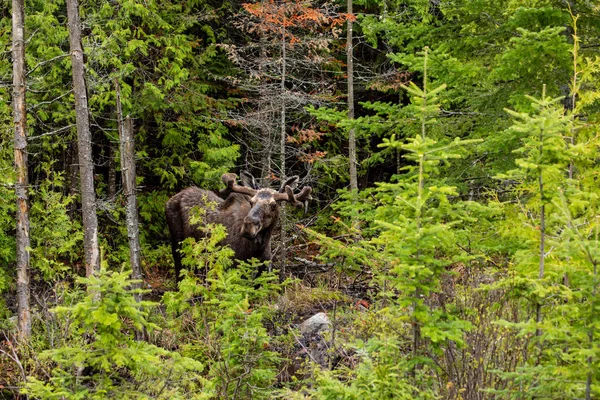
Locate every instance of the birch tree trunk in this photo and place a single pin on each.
(128, 178)
(84, 138)
(350, 73)
(22, 184)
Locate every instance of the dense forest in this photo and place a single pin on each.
(404, 199)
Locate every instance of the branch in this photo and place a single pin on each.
(64, 128)
(50, 101)
(46, 62)
(322, 267)
(304, 347)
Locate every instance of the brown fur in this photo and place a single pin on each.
(229, 212)
(249, 214)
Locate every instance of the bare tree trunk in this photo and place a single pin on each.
(128, 179)
(350, 73)
(283, 216)
(73, 176)
(265, 106)
(111, 190)
(266, 157)
(22, 184)
(86, 165)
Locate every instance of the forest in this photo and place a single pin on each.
(279, 199)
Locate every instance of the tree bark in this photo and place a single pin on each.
(22, 183)
(84, 138)
(265, 108)
(111, 189)
(73, 176)
(350, 73)
(282, 214)
(128, 178)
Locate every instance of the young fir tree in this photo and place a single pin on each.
(418, 223)
(101, 359)
(556, 272)
(566, 353)
(415, 239)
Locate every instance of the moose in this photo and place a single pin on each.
(249, 212)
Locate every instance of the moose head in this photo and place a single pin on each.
(264, 208)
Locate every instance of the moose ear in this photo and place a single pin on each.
(248, 180)
(229, 179)
(292, 182)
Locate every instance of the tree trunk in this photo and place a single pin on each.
(266, 158)
(84, 138)
(128, 178)
(283, 216)
(350, 73)
(22, 184)
(265, 108)
(111, 189)
(73, 176)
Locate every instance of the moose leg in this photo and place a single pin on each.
(176, 259)
(174, 222)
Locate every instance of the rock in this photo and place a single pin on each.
(315, 324)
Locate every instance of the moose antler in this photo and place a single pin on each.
(294, 199)
(229, 181)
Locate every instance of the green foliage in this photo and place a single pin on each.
(230, 302)
(562, 281)
(7, 223)
(103, 360)
(380, 375)
(164, 73)
(444, 237)
(56, 238)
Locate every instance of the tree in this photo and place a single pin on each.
(287, 75)
(350, 71)
(86, 162)
(22, 183)
(128, 177)
(118, 365)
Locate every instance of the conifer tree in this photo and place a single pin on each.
(555, 285)
(421, 214)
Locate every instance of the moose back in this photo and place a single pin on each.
(249, 213)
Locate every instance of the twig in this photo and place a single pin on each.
(323, 267)
(33, 107)
(14, 357)
(59, 130)
(46, 62)
(303, 346)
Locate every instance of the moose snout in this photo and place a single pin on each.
(251, 227)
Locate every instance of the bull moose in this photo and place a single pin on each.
(249, 212)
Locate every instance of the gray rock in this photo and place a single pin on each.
(317, 323)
